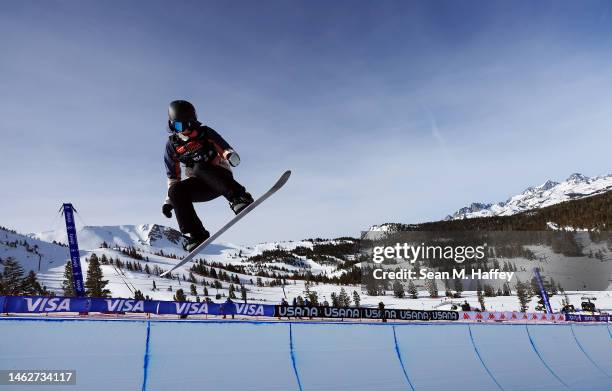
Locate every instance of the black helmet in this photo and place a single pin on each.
(181, 116)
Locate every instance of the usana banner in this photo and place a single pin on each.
(362, 313)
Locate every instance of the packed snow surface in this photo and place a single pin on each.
(217, 355)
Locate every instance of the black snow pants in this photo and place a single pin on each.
(209, 183)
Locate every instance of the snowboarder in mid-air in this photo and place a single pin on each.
(208, 159)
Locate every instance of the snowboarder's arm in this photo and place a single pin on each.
(222, 147)
(173, 166)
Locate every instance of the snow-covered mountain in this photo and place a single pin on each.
(147, 237)
(157, 247)
(549, 193)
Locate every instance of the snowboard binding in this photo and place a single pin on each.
(237, 204)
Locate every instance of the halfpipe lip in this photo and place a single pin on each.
(307, 322)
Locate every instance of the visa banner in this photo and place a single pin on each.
(40, 304)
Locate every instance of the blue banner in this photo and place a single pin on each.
(123, 305)
(77, 274)
(39, 304)
(543, 290)
(250, 309)
(588, 318)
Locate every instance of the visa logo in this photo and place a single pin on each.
(123, 305)
(46, 304)
(191, 308)
(249, 309)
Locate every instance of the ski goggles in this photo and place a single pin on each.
(180, 126)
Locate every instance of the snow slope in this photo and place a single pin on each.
(150, 239)
(146, 236)
(226, 355)
(549, 193)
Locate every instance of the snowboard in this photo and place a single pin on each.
(279, 183)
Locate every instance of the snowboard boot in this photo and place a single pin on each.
(195, 239)
(241, 201)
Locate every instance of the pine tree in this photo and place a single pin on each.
(412, 290)
(356, 299)
(193, 290)
(243, 293)
(205, 291)
(313, 297)
(522, 293)
(372, 286)
(12, 277)
(343, 298)
(334, 300)
(68, 283)
(30, 285)
(432, 288)
(154, 286)
(232, 292)
(398, 290)
(506, 289)
(489, 291)
(95, 286)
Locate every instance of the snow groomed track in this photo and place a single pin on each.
(239, 355)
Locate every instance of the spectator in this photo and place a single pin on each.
(228, 308)
(283, 303)
(381, 308)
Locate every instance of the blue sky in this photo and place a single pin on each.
(385, 111)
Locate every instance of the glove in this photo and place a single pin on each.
(233, 158)
(167, 210)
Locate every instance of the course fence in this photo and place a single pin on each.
(43, 304)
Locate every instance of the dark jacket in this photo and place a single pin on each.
(208, 147)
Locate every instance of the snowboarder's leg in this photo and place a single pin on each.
(182, 196)
(222, 181)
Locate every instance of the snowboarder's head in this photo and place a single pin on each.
(182, 118)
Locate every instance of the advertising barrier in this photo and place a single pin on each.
(363, 313)
(41, 304)
(588, 318)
